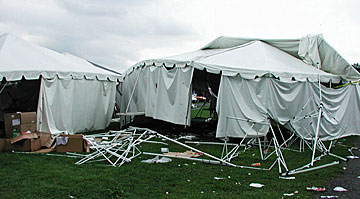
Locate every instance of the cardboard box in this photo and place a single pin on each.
(26, 145)
(26, 142)
(28, 117)
(75, 143)
(45, 139)
(16, 123)
(11, 120)
(28, 127)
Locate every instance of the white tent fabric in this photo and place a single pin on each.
(74, 95)
(254, 72)
(159, 93)
(289, 104)
(75, 105)
(19, 58)
(256, 58)
(312, 49)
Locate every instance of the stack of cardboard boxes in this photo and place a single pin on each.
(21, 134)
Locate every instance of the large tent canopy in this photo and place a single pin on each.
(19, 58)
(261, 80)
(286, 59)
(74, 94)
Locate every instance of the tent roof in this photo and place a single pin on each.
(19, 58)
(252, 58)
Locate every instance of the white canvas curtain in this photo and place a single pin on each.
(287, 103)
(69, 105)
(160, 93)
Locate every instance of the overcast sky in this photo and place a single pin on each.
(119, 33)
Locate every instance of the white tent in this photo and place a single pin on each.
(261, 80)
(74, 95)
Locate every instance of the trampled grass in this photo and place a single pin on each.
(44, 176)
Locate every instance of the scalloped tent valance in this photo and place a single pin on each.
(19, 58)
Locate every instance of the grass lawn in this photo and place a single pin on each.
(43, 176)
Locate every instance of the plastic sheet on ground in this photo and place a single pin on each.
(157, 160)
(340, 189)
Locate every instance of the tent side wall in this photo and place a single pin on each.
(291, 103)
(69, 105)
(160, 93)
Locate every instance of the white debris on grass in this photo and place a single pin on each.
(289, 194)
(256, 185)
(340, 189)
(329, 196)
(218, 178)
(352, 157)
(287, 177)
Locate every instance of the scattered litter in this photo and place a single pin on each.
(179, 165)
(352, 157)
(329, 196)
(229, 177)
(166, 193)
(157, 160)
(249, 174)
(186, 164)
(287, 177)
(213, 191)
(256, 185)
(358, 177)
(164, 150)
(255, 164)
(340, 189)
(319, 189)
(344, 168)
(202, 192)
(218, 178)
(296, 192)
(194, 162)
(188, 180)
(253, 154)
(289, 194)
(71, 197)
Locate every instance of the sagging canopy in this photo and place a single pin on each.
(74, 95)
(274, 63)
